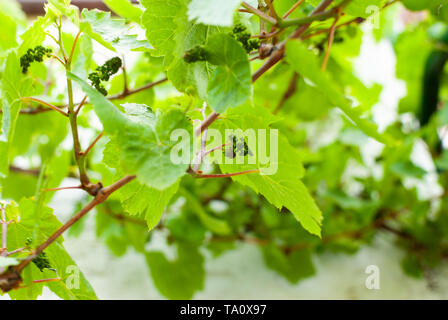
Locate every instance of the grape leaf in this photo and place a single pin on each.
(138, 199)
(59, 8)
(34, 34)
(159, 19)
(231, 83)
(120, 231)
(190, 77)
(37, 222)
(170, 32)
(144, 141)
(14, 86)
(111, 33)
(213, 12)
(216, 225)
(125, 9)
(294, 266)
(187, 269)
(282, 188)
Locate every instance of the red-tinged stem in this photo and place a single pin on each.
(330, 44)
(69, 60)
(130, 92)
(80, 105)
(4, 248)
(62, 188)
(226, 175)
(47, 280)
(215, 148)
(16, 251)
(259, 13)
(272, 11)
(93, 143)
(45, 104)
(278, 54)
(207, 122)
(59, 59)
(294, 7)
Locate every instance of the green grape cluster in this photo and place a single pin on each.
(239, 146)
(37, 54)
(104, 72)
(241, 34)
(198, 53)
(28, 241)
(42, 262)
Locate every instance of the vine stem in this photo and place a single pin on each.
(356, 20)
(226, 175)
(84, 101)
(330, 42)
(62, 188)
(201, 152)
(294, 7)
(80, 156)
(16, 251)
(45, 104)
(207, 122)
(93, 143)
(80, 105)
(57, 58)
(134, 91)
(272, 11)
(215, 148)
(259, 13)
(61, 45)
(307, 20)
(286, 15)
(288, 93)
(73, 47)
(4, 248)
(278, 54)
(101, 196)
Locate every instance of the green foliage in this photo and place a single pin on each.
(293, 266)
(125, 9)
(213, 12)
(143, 138)
(111, 33)
(308, 184)
(308, 67)
(14, 86)
(282, 189)
(230, 83)
(187, 269)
